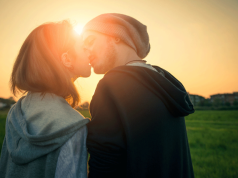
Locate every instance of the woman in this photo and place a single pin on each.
(45, 136)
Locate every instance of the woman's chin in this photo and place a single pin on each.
(86, 75)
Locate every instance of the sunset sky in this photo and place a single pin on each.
(196, 40)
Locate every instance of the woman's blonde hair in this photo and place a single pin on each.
(38, 66)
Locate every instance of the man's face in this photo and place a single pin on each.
(101, 51)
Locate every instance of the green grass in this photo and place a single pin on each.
(3, 115)
(85, 113)
(213, 140)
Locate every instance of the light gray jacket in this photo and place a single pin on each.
(37, 129)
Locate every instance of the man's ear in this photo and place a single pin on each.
(116, 40)
(66, 61)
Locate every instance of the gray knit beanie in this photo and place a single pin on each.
(128, 29)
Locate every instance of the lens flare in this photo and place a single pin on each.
(78, 28)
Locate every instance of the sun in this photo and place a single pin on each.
(78, 28)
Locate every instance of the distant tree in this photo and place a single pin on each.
(85, 105)
(9, 102)
(217, 102)
(227, 104)
(208, 102)
(205, 102)
(201, 103)
(235, 103)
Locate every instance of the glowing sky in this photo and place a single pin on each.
(197, 41)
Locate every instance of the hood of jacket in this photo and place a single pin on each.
(38, 124)
(163, 84)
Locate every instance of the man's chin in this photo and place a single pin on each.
(99, 70)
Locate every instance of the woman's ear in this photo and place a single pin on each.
(66, 61)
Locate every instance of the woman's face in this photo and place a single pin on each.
(81, 65)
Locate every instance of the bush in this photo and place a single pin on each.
(205, 103)
(217, 102)
(9, 102)
(216, 108)
(227, 104)
(235, 103)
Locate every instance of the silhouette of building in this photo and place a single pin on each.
(196, 99)
(225, 98)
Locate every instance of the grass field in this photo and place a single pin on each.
(213, 140)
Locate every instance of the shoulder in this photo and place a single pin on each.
(49, 105)
(118, 83)
(45, 101)
(120, 76)
(79, 136)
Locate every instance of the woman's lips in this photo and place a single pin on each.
(91, 60)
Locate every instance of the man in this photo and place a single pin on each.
(137, 128)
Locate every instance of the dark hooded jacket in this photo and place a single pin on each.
(138, 128)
